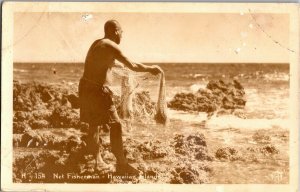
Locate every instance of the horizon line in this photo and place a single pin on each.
(26, 62)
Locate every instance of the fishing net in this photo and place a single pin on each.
(141, 95)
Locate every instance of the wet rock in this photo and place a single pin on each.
(38, 124)
(217, 95)
(46, 96)
(20, 127)
(17, 140)
(153, 149)
(19, 166)
(22, 116)
(70, 163)
(50, 140)
(228, 153)
(79, 161)
(197, 139)
(284, 136)
(202, 154)
(260, 137)
(43, 162)
(73, 143)
(188, 174)
(26, 137)
(237, 85)
(38, 103)
(240, 113)
(179, 144)
(65, 102)
(131, 151)
(269, 150)
(41, 114)
(31, 139)
(74, 100)
(266, 150)
(65, 117)
(36, 141)
(193, 146)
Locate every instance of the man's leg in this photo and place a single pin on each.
(118, 150)
(94, 145)
(117, 143)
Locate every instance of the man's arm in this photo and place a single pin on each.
(134, 66)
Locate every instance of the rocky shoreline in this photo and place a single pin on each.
(49, 138)
(217, 95)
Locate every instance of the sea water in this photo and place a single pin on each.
(266, 87)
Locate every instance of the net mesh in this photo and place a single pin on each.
(141, 94)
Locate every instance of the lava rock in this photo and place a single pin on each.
(20, 127)
(228, 153)
(217, 95)
(38, 124)
(31, 139)
(74, 100)
(46, 96)
(64, 116)
(197, 139)
(269, 150)
(188, 174)
(42, 105)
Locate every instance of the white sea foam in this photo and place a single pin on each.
(195, 76)
(229, 121)
(277, 76)
(195, 87)
(20, 70)
(187, 117)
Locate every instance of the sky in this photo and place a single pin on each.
(155, 37)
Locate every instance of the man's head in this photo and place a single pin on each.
(113, 31)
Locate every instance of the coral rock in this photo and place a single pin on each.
(217, 95)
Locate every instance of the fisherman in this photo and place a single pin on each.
(96, 104)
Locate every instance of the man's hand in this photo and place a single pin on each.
(155, 69)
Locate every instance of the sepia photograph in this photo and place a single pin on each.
(139, 93)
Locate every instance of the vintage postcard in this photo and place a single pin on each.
(149, 96)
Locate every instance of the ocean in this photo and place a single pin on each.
(266, 85)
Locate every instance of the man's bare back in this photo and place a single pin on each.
(99, 61)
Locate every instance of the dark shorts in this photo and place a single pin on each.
(96, 104)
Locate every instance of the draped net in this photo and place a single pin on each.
(140, 93)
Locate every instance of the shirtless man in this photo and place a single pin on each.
(96, 105)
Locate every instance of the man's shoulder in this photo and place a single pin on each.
(108, 42)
